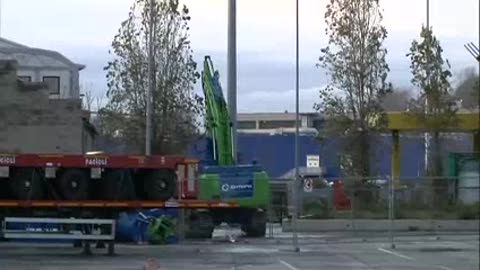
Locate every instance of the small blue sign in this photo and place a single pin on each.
(236, 187)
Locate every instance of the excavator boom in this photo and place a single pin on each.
(218, 122)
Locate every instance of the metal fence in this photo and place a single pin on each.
(378, 205)
(364, 207)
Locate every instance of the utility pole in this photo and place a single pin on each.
(426, 134)
(151, 74)
(428, 13)
(232, 71)
(0, 18)
(297, 119)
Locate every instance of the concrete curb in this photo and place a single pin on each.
(342, 225)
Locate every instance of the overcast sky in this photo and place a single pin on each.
(83, 29)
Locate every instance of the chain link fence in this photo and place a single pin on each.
(363, 207)
(378, 206)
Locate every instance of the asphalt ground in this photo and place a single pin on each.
(317, 251)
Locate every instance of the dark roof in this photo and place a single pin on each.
(19, 48)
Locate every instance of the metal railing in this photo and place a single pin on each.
(380, 206)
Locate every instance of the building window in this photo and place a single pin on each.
(25, 78)
(246, 125)
(277, 124)
(53, 83)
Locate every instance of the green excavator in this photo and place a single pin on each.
(223, 179)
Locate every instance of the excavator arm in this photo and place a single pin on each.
(218, 122)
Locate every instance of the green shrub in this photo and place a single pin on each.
(318, 209)
(471, 211)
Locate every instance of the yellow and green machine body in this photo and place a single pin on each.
(223, 179)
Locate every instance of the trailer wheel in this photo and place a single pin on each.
(27, 184)
(160, 184)
(118, 185)
(73, 184)
(255, 224)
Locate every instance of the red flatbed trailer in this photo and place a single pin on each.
(62, 186)
(123, 178)
(93, 161)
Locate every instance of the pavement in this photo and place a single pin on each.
(317, 251)
(328, 225)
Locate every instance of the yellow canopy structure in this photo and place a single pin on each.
(403, 122)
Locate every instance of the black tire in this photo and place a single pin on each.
(200, 225)
(27, 184)
(117, 185)
(160, 184)
(256, 224)
(73, 185)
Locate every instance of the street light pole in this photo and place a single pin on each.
(428, 13)
(426, 134)
(232, 72)
(148, 125)
(0, 18)
(297, 119)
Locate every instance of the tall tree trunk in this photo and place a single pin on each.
(439, 185)
(364, 164)
(364, 194)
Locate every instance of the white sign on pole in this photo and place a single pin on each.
(308, 185)
(313, 161)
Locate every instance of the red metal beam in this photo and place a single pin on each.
(93, 161)
(116, 204)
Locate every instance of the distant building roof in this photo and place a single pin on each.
(9, 47)
(273, 116)
(280, 131)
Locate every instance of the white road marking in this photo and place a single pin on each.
(444, 267)
(291, 267)
(396, 254)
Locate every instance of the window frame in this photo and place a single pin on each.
(58, 84)
(247, 124)
(275, 124)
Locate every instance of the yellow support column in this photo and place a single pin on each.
(476, 141)
(396, 158)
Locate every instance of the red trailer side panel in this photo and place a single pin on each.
(91, 161)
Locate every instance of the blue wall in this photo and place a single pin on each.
(276, 152)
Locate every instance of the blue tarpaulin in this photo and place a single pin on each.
(132, 226)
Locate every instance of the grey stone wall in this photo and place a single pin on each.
(30, 122)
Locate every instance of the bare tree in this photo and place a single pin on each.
(88, 101)
(467, 90)
(87, 97)
(397, 101)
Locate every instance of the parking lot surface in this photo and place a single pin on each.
(316, 252)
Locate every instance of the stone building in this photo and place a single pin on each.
(32, 122)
